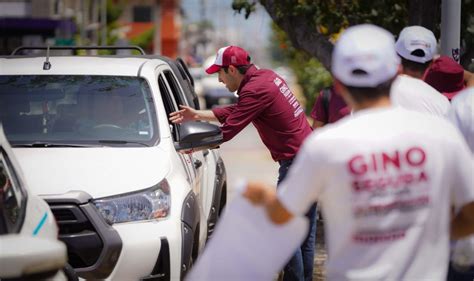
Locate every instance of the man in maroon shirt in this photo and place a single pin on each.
(328, 108)
(266, 101)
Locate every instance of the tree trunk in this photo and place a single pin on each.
(303, 36)
(426, 13)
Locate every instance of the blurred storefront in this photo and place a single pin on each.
(156, 24)
(34, 23)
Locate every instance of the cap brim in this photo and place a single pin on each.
(213, 69)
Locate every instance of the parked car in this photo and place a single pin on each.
(135, 196)
(29, 245)
(210, 91)
(215, 93)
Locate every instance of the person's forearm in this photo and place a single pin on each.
(277, 212)
(206, 115)
(317, 124)
(463, 223)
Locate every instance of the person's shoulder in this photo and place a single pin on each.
(462, 106)
(264, 80)
(465, 97)
(429, 125)
(405, 82)
(405, 85)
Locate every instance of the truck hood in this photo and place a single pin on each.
(100, 172)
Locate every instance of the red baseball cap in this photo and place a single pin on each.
(230, 55)
(446, 76)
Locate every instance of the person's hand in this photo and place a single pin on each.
(185, 114)
(258, 193)
(261, 194)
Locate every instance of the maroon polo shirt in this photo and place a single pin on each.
(336, 108)
(267, 102)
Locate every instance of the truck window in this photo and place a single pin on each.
(175, 89)
(77, 109)
(169, 103)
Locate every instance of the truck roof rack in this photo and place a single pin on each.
(23, 48)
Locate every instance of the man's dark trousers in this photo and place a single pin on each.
(300, 266)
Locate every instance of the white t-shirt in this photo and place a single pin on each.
(462, 114)
(384, 179)
(416, 94)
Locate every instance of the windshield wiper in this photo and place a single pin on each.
(122, 142)
(51, 144)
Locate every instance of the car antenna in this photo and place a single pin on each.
(47, 64)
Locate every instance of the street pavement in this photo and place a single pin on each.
(247, 158)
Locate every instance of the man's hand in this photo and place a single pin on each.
(185, 114)
(261, 194)
(258, 193)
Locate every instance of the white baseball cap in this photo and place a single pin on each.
(364, 56)
(413, 38)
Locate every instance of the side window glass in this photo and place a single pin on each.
(175, 89)
(169, 103)
(11, 199)
(188, 83)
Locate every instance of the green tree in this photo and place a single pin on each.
(311, 26)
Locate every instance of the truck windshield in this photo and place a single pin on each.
(77, 109)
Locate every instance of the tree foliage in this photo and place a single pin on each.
(310, 24)
(309, 27)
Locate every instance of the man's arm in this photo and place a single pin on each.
(319, 113)
(190, 114)
(317, 124)
(463, 223)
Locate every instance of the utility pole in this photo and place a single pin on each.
(451, 28)
(83, 21)
(103, 19)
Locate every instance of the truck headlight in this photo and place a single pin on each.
(148, 204)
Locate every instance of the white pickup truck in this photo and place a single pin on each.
(135, 196)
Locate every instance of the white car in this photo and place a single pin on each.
(29, 246)
(135, 196)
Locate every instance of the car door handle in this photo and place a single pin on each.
(206, 152)
(197, 163)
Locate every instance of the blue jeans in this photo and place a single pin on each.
(300, 266)
(460, 274)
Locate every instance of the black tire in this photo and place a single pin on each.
(223, 200)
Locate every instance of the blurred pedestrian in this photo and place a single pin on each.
(416, 47)
(447, 76)
(461, 266)
(328, 108)
(385, 191)
(265, 100)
